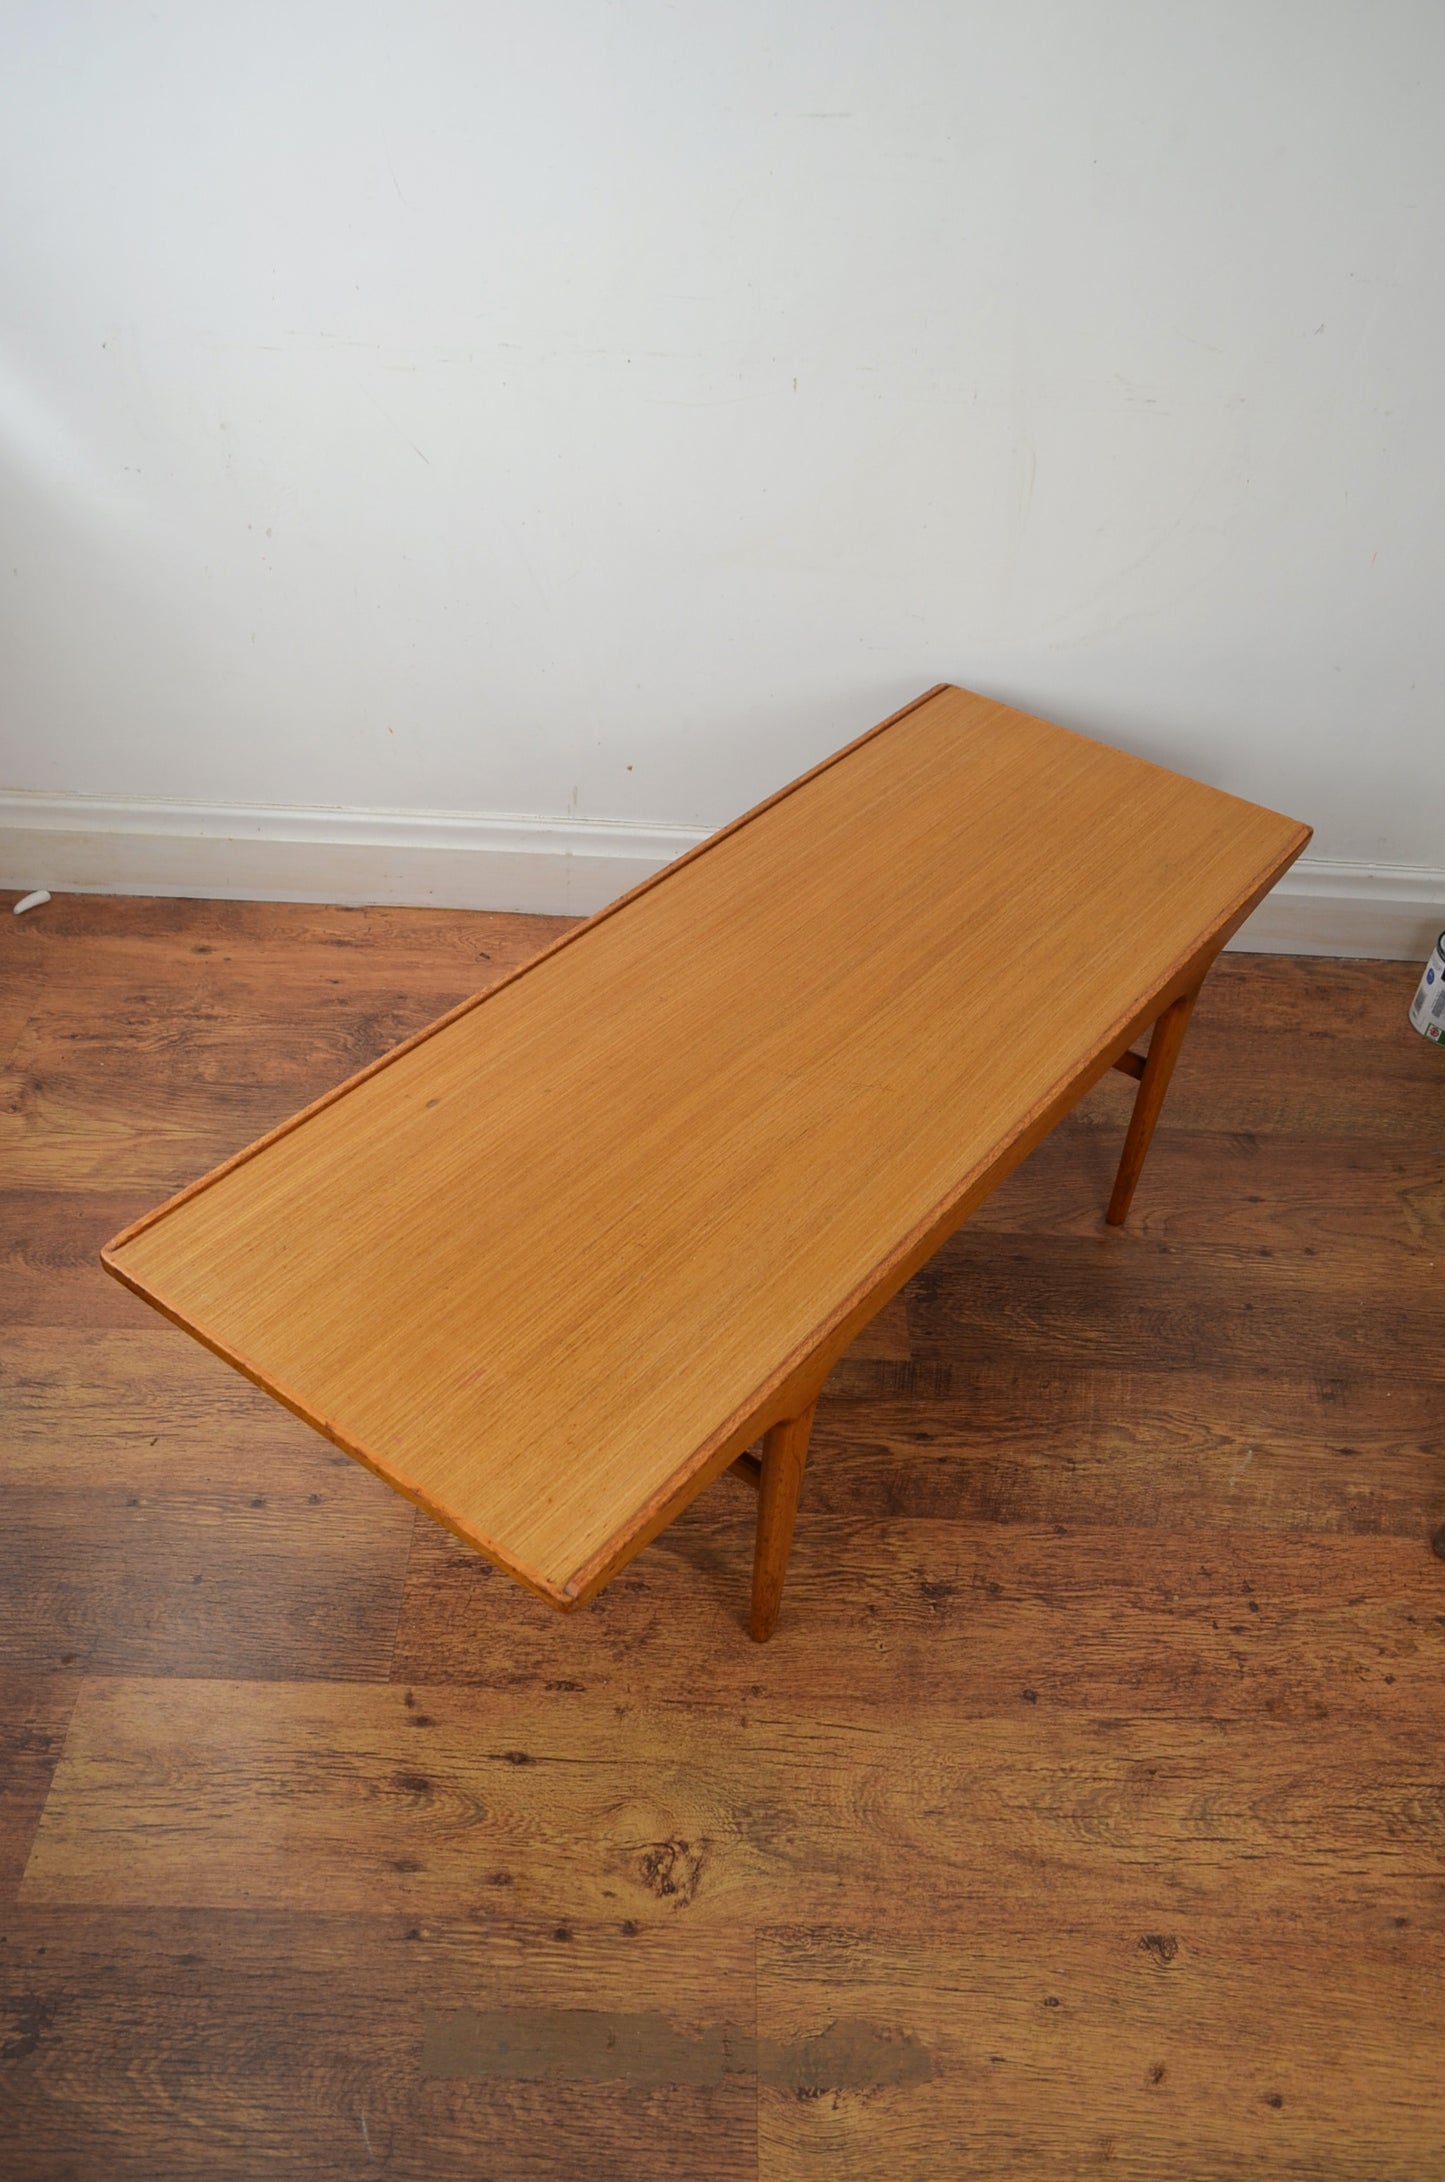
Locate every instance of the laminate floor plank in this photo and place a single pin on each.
(1194, 2047)
(1224, 1082)
(1001, 1444)
(1206, 1189)
(237, 1582)
(161, 942)
(1149, 1307)
(195, 1794)
(34, 1712)
(133, 1407)
(1269, 1052)
(16, 1008)
(1241, 1625)
(50, 1243)
(1322, 1002)
(177, 2045)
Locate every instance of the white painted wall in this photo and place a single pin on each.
(602, 410)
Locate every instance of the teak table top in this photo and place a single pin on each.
(550, 1265)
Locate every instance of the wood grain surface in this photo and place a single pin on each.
(1171, 2056)
(1084, 1815)
(548, 1268)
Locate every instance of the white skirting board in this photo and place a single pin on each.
(412, 859)
(550, 866)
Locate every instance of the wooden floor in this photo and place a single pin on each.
(1085, 1813)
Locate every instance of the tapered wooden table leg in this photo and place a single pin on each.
(1164, 1043)
(785, 1451)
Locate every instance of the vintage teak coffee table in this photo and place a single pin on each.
(559, 1260)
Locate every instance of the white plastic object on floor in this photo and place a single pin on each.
(37, 900)
(1427, 1009)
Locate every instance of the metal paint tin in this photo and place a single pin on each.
(1427, 1009)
